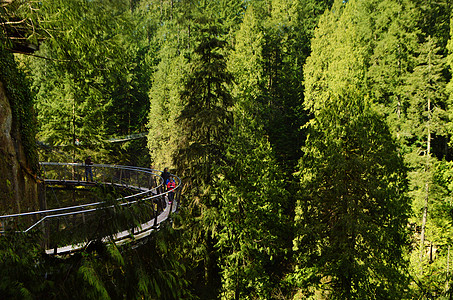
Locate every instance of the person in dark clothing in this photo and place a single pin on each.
(165, 176)
(88, 168)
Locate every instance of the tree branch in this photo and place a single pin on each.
(13, 23)
(39, 56)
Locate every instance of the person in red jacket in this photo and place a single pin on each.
(171, 185)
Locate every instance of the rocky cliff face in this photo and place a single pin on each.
(18, 184)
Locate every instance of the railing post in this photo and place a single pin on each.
(43, 206)
(155, 212)
(58, 230)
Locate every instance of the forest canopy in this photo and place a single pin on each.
(313, 138)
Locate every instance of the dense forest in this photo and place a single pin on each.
(313, 138)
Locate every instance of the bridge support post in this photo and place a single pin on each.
(156, 213)
(43, 206)
(42, 195)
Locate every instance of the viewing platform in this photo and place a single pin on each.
(136, 201)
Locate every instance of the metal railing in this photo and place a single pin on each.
(139, 191)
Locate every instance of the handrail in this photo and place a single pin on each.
(143, 192)
(88, 204)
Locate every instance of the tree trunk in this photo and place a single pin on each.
(427, 170)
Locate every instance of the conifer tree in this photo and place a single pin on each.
(205, 119)
(286, 28)
(205, 123)
(352, 215)
(439, 229)
(173, 41)
(252, 238)
(165, 106)
(252, 249)
(426, 119)
(394, 41)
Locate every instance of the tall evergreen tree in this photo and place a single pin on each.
(286, 27)
(434, 20)
(426, 118)
(175, 37)
(165, 107)
(406, 75)
(437, 274)
(253, 251)
(353, 211)
(252, 239)
(352, 215)
(173, 41)
(267, 65)
(394, 41)
(205, 119)
(449, 87)
(205, 123)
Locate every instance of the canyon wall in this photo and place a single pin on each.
(18, 181)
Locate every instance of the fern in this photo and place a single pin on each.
(90, 276)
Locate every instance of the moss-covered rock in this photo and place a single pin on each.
(18, 156)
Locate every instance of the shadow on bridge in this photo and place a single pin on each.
(135, 205)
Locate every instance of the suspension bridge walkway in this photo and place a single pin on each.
(120, 204)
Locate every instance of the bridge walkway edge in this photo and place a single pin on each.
(122, 237)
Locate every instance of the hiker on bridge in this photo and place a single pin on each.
(171, 185)
(165, 176)
(88, 168)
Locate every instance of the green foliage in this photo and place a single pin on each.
(435, 21)
(286, 27)
(18, 93)
(94, 288)
(426, 119)
(101, 271)
(252, 237)
(21, 29)
(366, 71)
(273, 43)
(205, 123)
(449, 62)
(205, 118)
(94, 83)
(393, 40)
(352, 215)
(20, 269)
(165, 107)
(255, 206)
